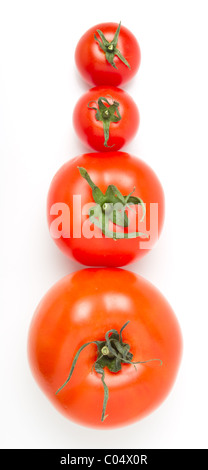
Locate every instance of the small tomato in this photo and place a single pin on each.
(108, 54)
(106, 118)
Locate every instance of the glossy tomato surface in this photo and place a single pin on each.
(90, 124)
(70, 197)
(81, 308)
(91, 59)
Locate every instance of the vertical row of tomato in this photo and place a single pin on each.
(105, 209)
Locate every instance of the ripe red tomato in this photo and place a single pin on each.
(81, 215)
(108, 54)
(106, 118)
(69, 329)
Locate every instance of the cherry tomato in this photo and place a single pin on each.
(105, 209)
(106, 118)
(105, 346)
(108, 54)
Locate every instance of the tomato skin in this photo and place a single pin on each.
(82, 307)
(90, 130)
(91, 61)
(124, 171)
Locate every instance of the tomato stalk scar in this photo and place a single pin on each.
(112, 353)
(110, 47)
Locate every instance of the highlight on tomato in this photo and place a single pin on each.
(105, 209)
(106, 118)
(108, 54)
(105, 346)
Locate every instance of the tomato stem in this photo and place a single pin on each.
(110, 47)
(111, 206)
(106, 114)
(112, 353)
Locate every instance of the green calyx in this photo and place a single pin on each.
(106, 114)
(110, 48)
(110, 207)
(112, 353)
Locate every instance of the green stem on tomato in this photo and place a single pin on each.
(110, 47)
(110, 207)
(106, 114)
(112, 353)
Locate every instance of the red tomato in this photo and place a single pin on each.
(78, 311)
(82, 234)
(106, 118)
(108, 54)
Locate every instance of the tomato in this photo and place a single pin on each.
(108, 54)
(105, 209)
(106, 118)
(76, 318)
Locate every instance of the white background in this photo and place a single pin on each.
(39, 87)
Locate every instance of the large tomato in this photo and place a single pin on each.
(81, 215)
(106, 118)
(92, 374)
(108, 54)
